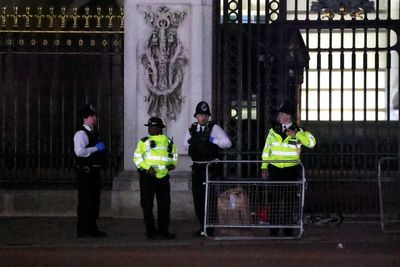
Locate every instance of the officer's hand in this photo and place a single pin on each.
(170, 167)
(264, 174)
(100, 146)
(152, 171)
(211, 139)
(290, 132)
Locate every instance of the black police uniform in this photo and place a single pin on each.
(89, 188)
(201, 150)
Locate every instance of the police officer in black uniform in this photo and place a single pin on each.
(203, 140)
(89, 158)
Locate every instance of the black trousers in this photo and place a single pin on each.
(151, 186)
(284, 199)
(89, 188)
(199, 190)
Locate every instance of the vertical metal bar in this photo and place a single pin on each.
(267, 75)
(27, 122)
(342, 66)
(50, 156)
(99, 106)
(15, 137)
(110, 60)
(307, 83)
(365, 84)
(121, 143)
(388, 79)
(282, 50)
(258, 82)
(282, 16)
(3, 132)
(353, 78)
(39, 154)
(63, 152)
(215, 77)
(307, 9)
(73, 106)
(240, 81)
(260, 116)
(306, 74)
(2, 122)
(319, 88)
(377, 9)
(377, 128)
(226, 105)
(331, 146)
(249, 80)
(398, 107)
(3, 114)
(296, 9)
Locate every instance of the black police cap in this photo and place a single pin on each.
(155, 122)
(202, 108)
(86, 111)
(288, 107)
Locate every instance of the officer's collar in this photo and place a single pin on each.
(287, 125)
(199, 125)
(88, 127)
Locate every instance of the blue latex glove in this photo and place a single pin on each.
(100, 146)
(211, 139)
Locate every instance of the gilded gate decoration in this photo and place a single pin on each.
(40, 20)
(163, 61)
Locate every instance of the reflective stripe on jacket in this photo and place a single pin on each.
(152, 151)
(288, 149)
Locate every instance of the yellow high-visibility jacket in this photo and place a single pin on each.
(288, 149)
(157, 151)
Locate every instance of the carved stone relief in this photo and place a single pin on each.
(163, 62)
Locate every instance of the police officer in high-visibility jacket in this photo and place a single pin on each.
(154, 157)
(284, 142)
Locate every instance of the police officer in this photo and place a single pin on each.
(203, 140)
(89, 157)
(284, 142)
(154, 157)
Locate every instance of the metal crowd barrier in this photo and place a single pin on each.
(389, 193)
(249, 207)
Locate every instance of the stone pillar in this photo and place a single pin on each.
(172, 56)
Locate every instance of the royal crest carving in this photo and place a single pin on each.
(163, 62)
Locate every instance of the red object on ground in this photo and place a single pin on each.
(262, 214)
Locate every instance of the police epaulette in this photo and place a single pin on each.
(144, 139)
(170, 145)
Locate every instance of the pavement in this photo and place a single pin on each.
(52, 241)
